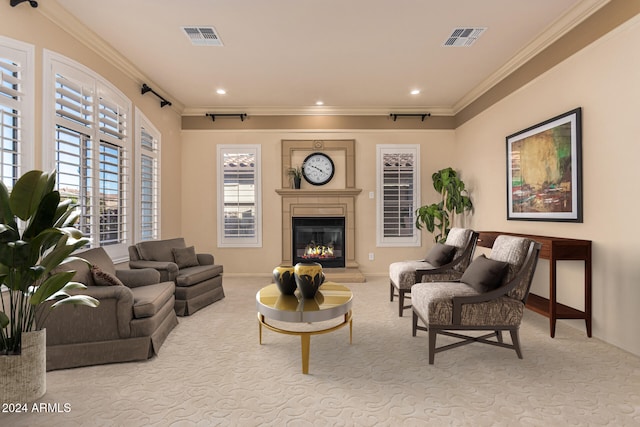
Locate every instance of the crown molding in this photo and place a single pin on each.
(551, 34)
(79, 31)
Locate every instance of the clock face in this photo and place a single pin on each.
(317, 169)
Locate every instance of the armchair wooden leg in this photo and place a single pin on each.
(414, 323)
(392, 291)
(432, 345)
(401, 293)
(499, 336)
(516, 342)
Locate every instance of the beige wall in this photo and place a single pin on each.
(29, 25)
(199, 189)
(602, 79)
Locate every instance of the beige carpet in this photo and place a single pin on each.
(212, 371)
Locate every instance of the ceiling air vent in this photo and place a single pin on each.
(203, 36)
(464, 37)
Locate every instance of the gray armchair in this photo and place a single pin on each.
(197, 278)
(490, 296)
(134, 317)
(443, 263)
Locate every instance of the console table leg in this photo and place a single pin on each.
(305, 341)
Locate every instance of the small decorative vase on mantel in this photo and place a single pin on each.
(309, 277)
(295, 176)
(296, 182)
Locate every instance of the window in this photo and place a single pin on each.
(398, 178)
(16, 110)
(147, 180)
(90, 121)
(239, 196)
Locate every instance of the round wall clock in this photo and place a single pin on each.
(317, 168)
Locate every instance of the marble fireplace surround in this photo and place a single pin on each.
(337, 201)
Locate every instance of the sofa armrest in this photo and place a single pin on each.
(168, 270)
(205, 259)
(138, 277)
(71, 324)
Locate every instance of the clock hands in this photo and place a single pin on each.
(315, 167)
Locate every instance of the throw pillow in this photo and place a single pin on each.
(440, 254)
(185, 257)
(102, 278)
(484, 274)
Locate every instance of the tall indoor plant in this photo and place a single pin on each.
(439, 217)
(36, 236)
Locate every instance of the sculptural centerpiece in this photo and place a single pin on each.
(284, 278)
(309, 277)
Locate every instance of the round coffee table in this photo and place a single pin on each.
(331, 301)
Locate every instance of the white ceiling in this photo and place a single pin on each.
(355, 55)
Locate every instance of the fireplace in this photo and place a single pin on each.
(319, 239)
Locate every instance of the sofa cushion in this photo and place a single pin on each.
(102, 278)
(192, 275)
(440, 254)
(484, 274)
(159, 250)
(147, 300)
(185, 257)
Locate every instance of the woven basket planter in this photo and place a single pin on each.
(24, 376)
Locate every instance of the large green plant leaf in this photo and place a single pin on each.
(77, 300)
(6, 216)
(27, 193)
(4, 320)
(51, 286)
(44, 216)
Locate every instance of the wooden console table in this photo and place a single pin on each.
(555, 249)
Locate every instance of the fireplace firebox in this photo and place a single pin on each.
(319, 239)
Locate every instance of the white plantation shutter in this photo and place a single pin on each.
(73, 165)
(398, 181)
(112, 194)
(148, 180)
(239, 196)
(92, 151)
(16, 109)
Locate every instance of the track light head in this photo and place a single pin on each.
(14, 3)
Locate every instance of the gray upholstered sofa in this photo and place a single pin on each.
(198, 279)
(133, 319)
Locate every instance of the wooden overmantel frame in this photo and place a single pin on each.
(348, 146)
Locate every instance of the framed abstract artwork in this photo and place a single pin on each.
(544, 170)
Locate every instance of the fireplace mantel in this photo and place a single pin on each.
(318, 193)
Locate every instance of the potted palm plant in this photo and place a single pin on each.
(36, 236)
(439, 217)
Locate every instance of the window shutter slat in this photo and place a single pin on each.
(12, 106)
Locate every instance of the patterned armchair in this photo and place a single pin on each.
(445, 262)
(490, 296)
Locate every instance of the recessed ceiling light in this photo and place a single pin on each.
(319, 103)
(415, 92)
(221, 92)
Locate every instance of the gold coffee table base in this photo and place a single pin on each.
(305, 336)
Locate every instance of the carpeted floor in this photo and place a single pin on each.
(212, 371)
